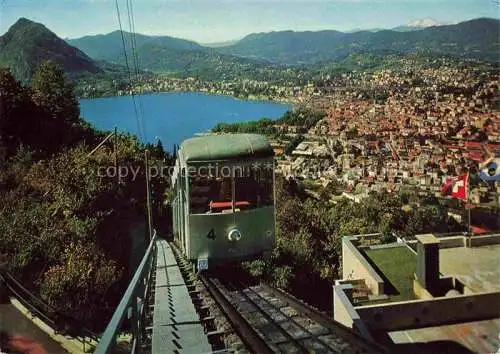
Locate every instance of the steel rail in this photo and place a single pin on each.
(290, 338)
(288, 318)
(29, 305)
(247, 333)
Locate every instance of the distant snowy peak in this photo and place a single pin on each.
(417, 25)
(423, 23)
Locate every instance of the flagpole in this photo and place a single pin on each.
(468, 205)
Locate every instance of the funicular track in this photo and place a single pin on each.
(269, 320)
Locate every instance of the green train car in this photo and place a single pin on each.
(223, 203)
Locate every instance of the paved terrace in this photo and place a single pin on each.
(478, 267)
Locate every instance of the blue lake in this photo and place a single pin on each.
(173, 117)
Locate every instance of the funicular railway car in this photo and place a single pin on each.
(223, 203)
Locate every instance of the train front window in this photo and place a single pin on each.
(249, 189)
(209, 194)
(254, 188)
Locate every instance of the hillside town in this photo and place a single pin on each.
(403, 126)
(405, 130)
(286, 92)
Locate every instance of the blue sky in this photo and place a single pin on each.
(221, 20)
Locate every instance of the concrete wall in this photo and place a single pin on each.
(367, 236)
(355, 266)
(451, 242)
(484, 240)
(425, 313)
(344, 312)
(420, 291)
(354, 282)
(463, 241)
(444, 285)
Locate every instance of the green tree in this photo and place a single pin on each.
(58, 105)
(17, 123)
(52, 91)
(81, 281)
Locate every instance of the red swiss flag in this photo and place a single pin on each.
(456, 186)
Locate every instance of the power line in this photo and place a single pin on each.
(131, 24)
(130, 12)
(128, 69)
(136, 53)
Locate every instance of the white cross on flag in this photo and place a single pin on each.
(456, 186)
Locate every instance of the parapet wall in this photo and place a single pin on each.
(434, 312)
(355, 266)
(484, 240)
(344, 312)
(427, 312)
(453, 240)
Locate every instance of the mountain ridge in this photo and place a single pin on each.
(28, 44)
(473, 39)
(109, 46)
(464, 40)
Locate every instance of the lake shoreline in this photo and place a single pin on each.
(289, 101)
(175, 116)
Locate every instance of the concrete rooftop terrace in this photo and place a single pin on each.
(477, 267)
(464, 321)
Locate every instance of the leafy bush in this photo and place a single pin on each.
(256, 268)
(66, 229)
(282, 277)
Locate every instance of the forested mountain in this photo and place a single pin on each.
(169, 55)
(205, 64)
(28, 44)
(477, 39)
(172, 56)
(259, 56)
(109, 46)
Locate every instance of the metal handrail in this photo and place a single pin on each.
(129, 305)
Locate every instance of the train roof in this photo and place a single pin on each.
(225, 147)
